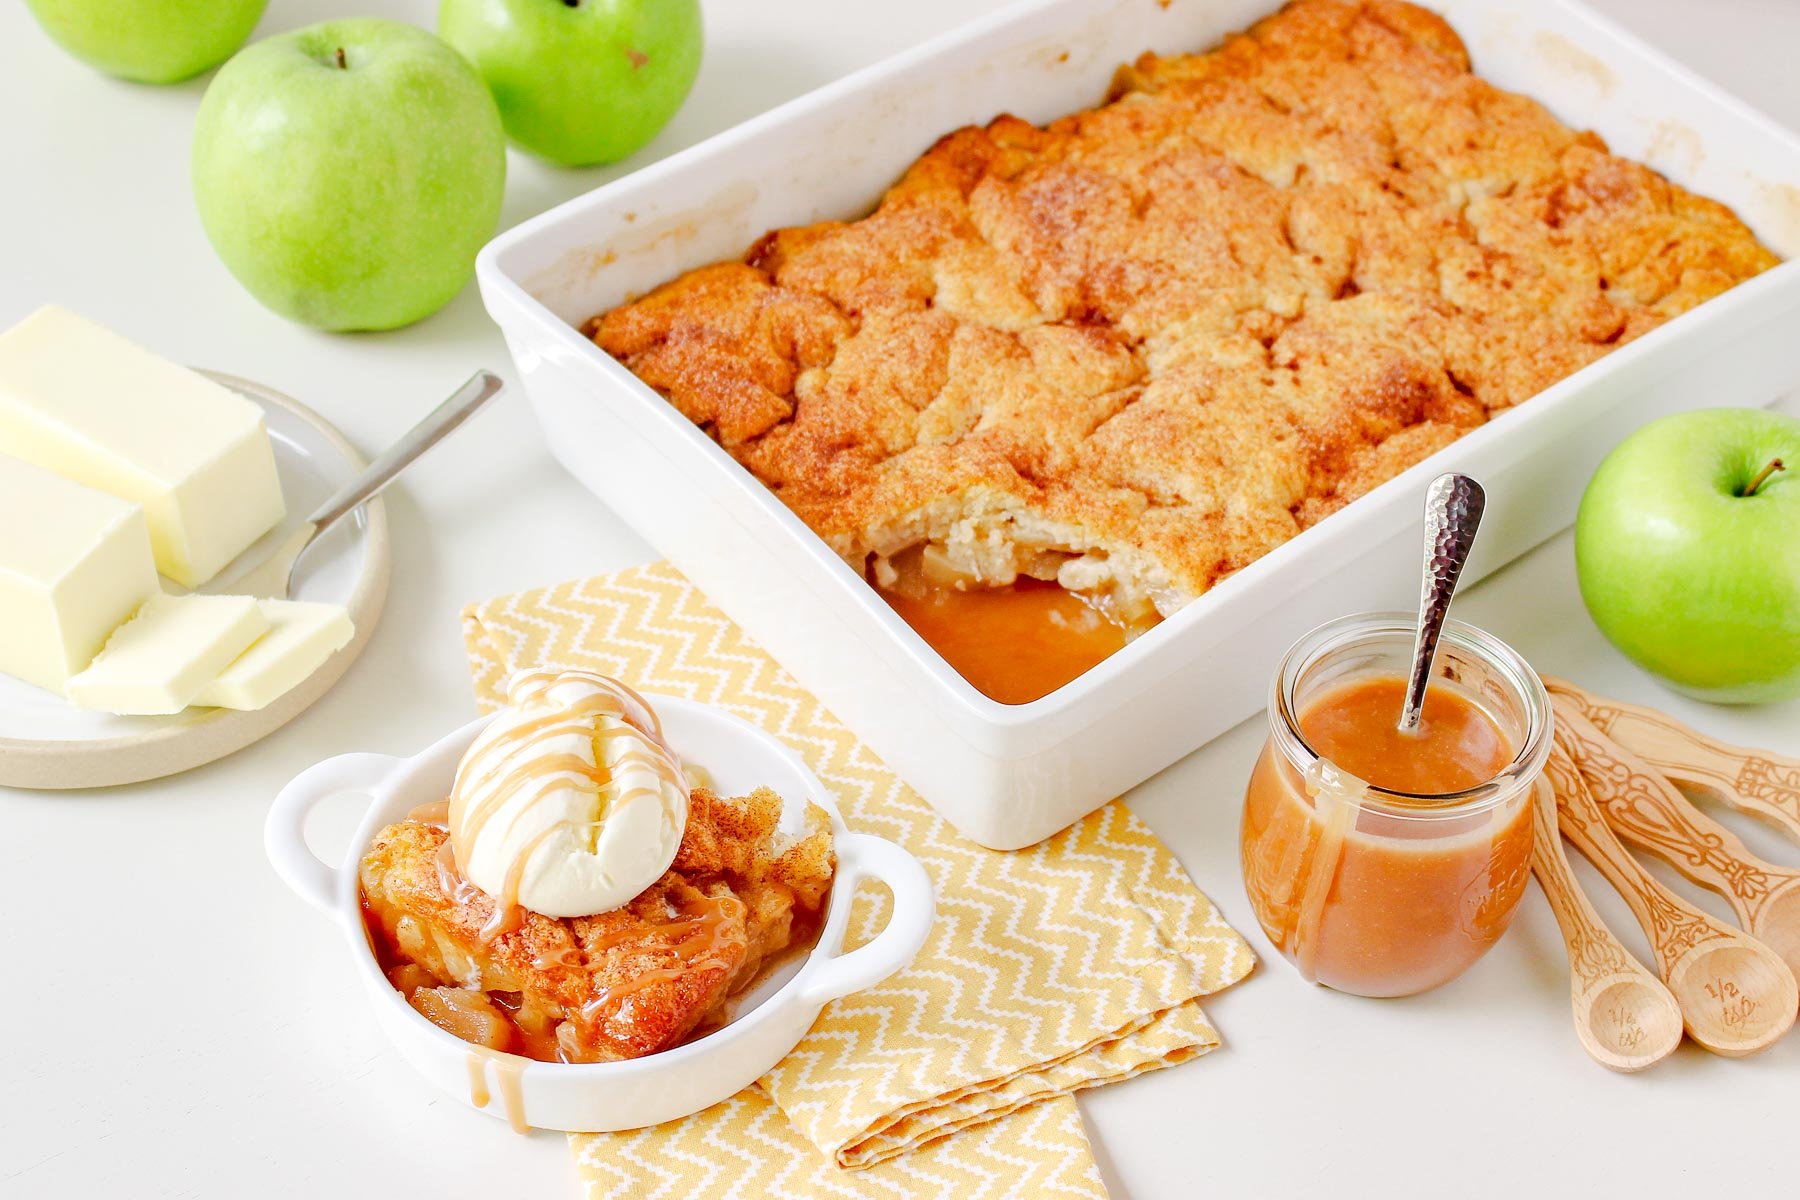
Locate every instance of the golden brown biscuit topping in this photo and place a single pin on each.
(1136, 349)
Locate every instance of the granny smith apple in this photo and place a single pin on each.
(580, 81)
(348, 172)
(1687, 547)
(149, 41)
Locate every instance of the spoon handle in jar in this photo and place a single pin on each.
(1453, 508)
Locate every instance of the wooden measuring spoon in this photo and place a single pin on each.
(1624, 1017)
(1647, 810)
(1754, 782)
(1736, 995)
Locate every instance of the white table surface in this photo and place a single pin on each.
(174, 1023)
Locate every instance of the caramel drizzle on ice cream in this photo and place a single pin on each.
(496, 773)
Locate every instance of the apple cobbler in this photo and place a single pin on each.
(1132, 351)
(621, 984)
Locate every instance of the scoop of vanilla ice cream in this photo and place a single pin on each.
(569, 803)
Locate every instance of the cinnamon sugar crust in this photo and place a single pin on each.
(619, 985)
(1136, 349)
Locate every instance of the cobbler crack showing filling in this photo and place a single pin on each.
(1134, 350)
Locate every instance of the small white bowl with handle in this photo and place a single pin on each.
(602, 1097)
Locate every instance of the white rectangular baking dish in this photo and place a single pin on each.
(1009, 775)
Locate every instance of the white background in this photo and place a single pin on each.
(174, 1023)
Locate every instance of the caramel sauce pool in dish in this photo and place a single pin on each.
(1015, 642)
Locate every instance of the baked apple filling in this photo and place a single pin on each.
(622, 984)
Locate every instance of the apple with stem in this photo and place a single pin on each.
(1687, 549)
(347, 173)
(580, 82)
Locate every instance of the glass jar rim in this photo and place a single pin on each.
(1348, 631)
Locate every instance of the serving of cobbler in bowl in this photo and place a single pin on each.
(605, 910)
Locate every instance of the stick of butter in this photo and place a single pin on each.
(301, 637)
(158, 661)
(74, 563)
(80, 400)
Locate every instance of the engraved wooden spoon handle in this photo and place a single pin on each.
(1758, 783)
(1624, 1017)
(1580, 820)
(1647, 810)
(1737, 996)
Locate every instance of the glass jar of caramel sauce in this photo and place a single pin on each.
(1385, 863)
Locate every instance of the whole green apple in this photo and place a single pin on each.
(1687, 547)
(580, 81)
(149, 41)
(348, 172)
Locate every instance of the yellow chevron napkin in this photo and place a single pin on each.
(746, 1149)
(1073, 963)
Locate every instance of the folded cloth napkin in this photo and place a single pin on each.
(745, 1149)
(1073, 963)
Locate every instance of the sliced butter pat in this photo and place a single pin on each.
(74, 564)
(80, 400)
(301, 637)
(158, 661)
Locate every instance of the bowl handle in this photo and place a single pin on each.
(861, 857)
(284, 833)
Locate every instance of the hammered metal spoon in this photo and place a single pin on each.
(1453, 508)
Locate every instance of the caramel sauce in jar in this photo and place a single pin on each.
(1383, 863)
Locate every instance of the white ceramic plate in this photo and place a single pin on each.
(46, 742)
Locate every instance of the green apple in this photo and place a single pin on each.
(348, 172)
(580, 81)
(149, 41)
(1687, 547)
